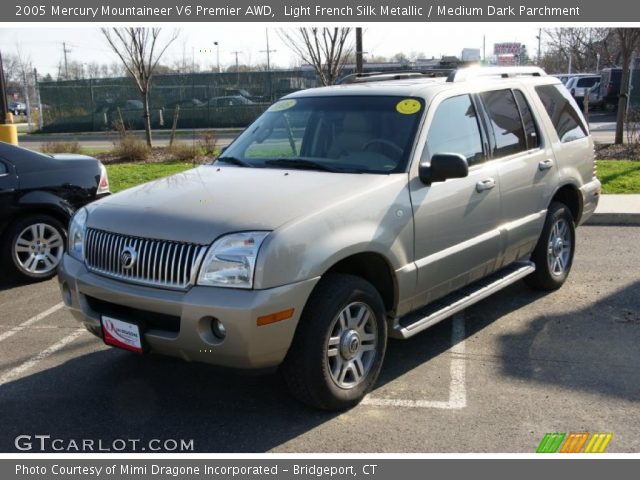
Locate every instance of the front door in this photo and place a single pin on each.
(456, 222)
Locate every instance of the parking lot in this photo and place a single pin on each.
(495, 378)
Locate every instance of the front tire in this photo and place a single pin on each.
(33, 247)
(553, 255)
(339, 345)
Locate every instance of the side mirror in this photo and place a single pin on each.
(442, 167)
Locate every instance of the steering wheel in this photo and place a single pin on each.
(384, 142)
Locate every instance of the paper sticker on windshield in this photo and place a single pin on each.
(282, 105)
(408, 106)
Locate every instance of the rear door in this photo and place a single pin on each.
(525, 165)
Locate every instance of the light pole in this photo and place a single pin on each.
(268, 52)
(217, 55)
(236, 53)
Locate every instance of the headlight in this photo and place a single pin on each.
(76, 234)
(231, 259)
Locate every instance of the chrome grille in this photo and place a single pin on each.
(159, 263)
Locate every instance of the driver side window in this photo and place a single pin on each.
(454, 129)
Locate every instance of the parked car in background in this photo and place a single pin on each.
(38, 195)
(17, 108)
(596, 102)
(610, 81)
(342, 216)
(229, 101)
(579, 86)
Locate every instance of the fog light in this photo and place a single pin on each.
(218, 330)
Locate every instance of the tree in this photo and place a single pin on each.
(578, 47)
(140, 51)
(629, 39)
(326, 49)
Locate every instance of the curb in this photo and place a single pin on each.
(614, 219)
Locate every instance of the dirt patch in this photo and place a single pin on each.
(609, 151)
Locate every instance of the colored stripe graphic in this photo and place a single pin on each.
(598, 443)
(574, 442)
(550, 443)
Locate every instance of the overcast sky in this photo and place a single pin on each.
(86, 44)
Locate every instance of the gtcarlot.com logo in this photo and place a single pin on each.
(45, 443)
(574, 442)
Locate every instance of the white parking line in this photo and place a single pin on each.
(457, 386)
(29, 364)
(31, 321)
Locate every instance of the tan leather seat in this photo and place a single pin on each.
(357, 130)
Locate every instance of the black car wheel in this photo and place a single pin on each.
(33, 247)
(339, 346)
(553, 255)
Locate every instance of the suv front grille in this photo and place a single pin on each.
(159, 263)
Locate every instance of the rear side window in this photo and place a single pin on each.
(587, 82)
(530, 130)
(564, 116)
(454, 129)
(505, 119)
(3, 169)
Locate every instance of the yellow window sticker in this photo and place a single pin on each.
(408, 106)
(282, 105)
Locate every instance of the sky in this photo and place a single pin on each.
(86, 44)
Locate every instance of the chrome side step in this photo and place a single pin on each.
(431, 314)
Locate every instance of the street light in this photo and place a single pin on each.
(217, 55)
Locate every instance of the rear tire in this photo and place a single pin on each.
(339, 345)
(33, 247)
(553, 255)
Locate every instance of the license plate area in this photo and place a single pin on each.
(121, 334)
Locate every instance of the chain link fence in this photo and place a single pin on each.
(198, 100)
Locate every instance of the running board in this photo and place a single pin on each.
(431, 314)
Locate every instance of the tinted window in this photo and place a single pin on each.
(454, 129)
(587, 82)
(3, 168)
(530, 130)
(564, 116)
(506, 122)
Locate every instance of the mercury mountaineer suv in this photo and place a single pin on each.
(342, 216)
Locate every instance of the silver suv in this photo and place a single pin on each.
(342, 216)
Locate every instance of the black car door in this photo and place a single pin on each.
(8, 187)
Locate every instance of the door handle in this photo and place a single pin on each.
(545, 164)
(487, 184)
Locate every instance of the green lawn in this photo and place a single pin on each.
(125, 175)
(619, 176)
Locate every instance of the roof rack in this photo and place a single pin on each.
(391, 75)
(469, 73)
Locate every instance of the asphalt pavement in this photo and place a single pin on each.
(495, 378)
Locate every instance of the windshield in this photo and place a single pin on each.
(363, 134)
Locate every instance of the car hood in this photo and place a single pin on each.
(199, 205)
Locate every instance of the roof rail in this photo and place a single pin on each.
(391, 75)
(463, 74)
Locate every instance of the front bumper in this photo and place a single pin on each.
(590, 195)
(181, 325)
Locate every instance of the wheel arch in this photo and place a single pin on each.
(374, 268)
(569, 195)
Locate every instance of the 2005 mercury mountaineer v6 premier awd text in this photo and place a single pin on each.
(341, 216)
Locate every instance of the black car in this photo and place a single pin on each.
(38, 195)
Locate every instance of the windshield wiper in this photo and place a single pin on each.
(234, 161)
(300, 163)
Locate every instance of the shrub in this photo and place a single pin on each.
(183, 152)
(208, 143)
(61, 147)
(130, 148)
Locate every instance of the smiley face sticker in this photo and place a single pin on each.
(408, 106)
(282, 105)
